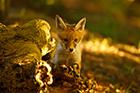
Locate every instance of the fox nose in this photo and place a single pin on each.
(71, 49)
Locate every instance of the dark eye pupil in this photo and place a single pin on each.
(75, 40)
(65, 40)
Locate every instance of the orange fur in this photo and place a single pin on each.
(70, 38)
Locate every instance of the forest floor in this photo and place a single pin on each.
(115, 67)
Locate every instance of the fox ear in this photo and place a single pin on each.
(59, 22)
(81, 24)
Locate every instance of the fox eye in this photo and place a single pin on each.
(76, 40)
(66, 40)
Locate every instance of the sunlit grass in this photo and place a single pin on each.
(104, 46)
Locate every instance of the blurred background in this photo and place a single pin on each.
(116, 19)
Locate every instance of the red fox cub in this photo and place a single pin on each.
(70, 38)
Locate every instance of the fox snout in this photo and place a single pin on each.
(70, 47)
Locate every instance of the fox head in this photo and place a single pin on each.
(70, 35)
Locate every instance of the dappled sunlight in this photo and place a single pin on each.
(33, 60)
(110, 87)
(105, 47)
(111, 63)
